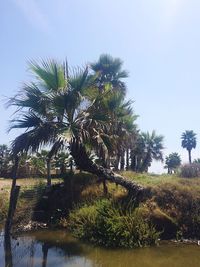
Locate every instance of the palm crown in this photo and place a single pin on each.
(189, 141)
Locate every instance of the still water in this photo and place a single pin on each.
(59, 249)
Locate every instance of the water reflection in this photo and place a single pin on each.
(8, 251)
(59, 249)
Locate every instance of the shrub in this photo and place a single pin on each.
(190, 170)
(182, 203)
(108, 224)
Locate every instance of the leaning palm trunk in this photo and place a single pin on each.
(85, 163)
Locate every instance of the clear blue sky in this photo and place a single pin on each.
(158, 40)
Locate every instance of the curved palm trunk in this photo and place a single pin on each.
(85, 163)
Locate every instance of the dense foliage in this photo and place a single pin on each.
(190, 170)
(172, 162)
(111, 225)
(83, 111)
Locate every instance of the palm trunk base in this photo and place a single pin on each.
(85, 163)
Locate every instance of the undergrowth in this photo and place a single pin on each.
(112, 225)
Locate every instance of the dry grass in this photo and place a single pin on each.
(26, 202)
(154, 181)
(25, 182)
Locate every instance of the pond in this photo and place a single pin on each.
(60, 249)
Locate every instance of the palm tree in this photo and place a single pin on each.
(173, 161)
(62, 161)
(153, 147)
(189, 142)
(56, 110)
(109, 74)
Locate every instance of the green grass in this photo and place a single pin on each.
(154, 181)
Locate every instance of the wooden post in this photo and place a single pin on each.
(14, 193)
(8, 250)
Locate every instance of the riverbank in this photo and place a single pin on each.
(171, 210)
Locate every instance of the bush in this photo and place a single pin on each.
(105, 223)
(182, 203)
(190, 170)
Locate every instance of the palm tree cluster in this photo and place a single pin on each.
(83, 111)
(34, 165)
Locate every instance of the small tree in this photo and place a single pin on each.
(173, 161)
(189, 142)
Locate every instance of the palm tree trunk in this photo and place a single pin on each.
(85, 163)
(127, 159)
(122, 163)
(133, 160)
(117, 160)
(190, 158)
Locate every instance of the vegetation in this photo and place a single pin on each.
(148, 147)
(83, 117)
(189, 142)
(112, 225)
(31, 190)
(190, 170)
(173, 161)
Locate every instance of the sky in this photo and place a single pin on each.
(158, 40)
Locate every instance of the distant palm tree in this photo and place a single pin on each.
(189, 142)
(173, 161)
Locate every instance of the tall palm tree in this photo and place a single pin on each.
(189, 142)
(56, 110)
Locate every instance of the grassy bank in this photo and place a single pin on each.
(172, 209)
(31, 190)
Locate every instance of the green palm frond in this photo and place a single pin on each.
(50, 74)
(28, 121)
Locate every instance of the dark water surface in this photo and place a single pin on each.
(59, 249)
